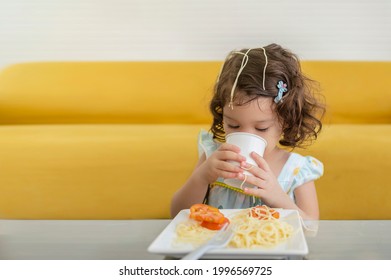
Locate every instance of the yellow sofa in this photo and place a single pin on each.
(115, 140)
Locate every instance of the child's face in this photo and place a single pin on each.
(256, 117)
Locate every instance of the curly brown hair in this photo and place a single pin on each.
(299, 112)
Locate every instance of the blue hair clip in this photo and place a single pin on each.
(281, 89)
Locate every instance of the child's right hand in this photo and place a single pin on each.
(217, 164)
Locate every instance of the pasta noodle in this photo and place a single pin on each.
(191, 232)
(253, 227)
(253, 232)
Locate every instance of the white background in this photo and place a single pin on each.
(45, 30)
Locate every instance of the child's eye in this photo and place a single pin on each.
(233, 126)
(262, 129)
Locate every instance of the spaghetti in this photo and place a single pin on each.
(259, 227)
(253, 228)
(190, 232)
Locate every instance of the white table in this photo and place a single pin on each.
(129, 239)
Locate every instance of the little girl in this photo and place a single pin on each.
(260, 91)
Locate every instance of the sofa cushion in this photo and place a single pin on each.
(132, 171)
(93, 171)
(357, 180)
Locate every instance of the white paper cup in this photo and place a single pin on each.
(247, 143)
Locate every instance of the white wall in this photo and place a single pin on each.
(32, 30)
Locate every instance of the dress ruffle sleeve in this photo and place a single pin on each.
(309, 170)
(206, 144)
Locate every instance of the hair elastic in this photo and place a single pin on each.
(282, 87)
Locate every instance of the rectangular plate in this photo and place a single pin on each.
(295, 246)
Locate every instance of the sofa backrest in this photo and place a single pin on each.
(169, 92)
(355, 91)
(107, 92)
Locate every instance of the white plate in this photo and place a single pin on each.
(295, 246)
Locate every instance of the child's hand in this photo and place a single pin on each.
(217, 164)
(267, 186)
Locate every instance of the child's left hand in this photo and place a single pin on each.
(267, 186)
